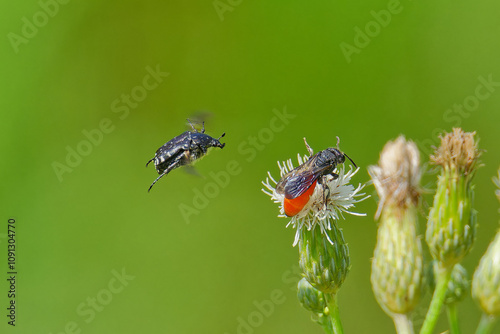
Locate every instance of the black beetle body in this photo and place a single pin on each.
(183, 150)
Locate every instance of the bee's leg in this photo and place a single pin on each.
(326, 190)
(335, 176)
(203, 129)
(309, 149)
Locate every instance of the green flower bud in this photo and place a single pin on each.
(486, 280)
(310, 298)
(398, 266)
(451, 227)
(324, 258)
(458, 285)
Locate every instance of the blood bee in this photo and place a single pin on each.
(298, 185)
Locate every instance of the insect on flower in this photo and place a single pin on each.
(183, 150)
(298, 185)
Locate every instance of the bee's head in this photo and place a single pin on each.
(340, 156)
(336, 155)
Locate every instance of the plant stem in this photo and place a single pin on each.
(443, 277)
(325, 322)
(403, 323)
(333, 308)
(451, 311)
(486, 324)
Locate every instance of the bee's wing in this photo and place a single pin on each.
(298, 183)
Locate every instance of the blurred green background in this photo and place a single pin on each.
(236, 64)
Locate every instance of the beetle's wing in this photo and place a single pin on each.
(175, 145)
(190, 169)
(170, 153)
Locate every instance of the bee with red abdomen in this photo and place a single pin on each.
(298, 185)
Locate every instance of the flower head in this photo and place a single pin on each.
(319, 210)
(451, 226)
(486, 281)
(398, 265)
(458, 150)
(458, 286)
(310, 298)
(397, 175)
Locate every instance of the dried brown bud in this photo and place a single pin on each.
(458, 150)
(397, 175)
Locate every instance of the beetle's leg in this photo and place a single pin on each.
(192, 126)
(165, 172)
(174, 164)
(150, 161)
(309, 149)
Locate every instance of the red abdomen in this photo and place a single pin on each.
(295, 205)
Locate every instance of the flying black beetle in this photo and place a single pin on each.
(298, 185)
(183, 150)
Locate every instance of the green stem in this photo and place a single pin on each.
(325, 322)
(443, 277)
(403, 323)
(333, 309)
(451, 311)
(486, 324)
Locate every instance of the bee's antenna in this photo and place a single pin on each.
(350, 159)
(222, 135)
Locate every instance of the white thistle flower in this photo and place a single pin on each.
(341, 199)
